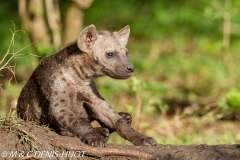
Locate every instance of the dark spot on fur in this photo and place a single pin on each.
(70, 115)
(55, 105)
(52, 82)
(70, 95)
(56, 93)
(71, 119)
(54, 77)
(64, 91)
(63, 79)
(68, 84)
(73, 48)
(61, 118)
(61, 72)
(63, 100)
(63, 110)
(75, 123)
(64, 123)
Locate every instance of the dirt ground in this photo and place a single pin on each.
(25, 140)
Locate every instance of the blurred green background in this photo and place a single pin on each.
(185, 88)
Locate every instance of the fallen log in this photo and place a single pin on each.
(26, 140)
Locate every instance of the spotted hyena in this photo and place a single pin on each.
(61, 91)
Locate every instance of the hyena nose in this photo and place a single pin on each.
(129, 68)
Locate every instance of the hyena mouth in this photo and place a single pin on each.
(123, 72)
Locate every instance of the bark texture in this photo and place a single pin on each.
(41, 19)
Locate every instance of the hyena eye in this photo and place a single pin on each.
(110, 55)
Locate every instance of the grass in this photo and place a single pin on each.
(9, 121)
(180, 130)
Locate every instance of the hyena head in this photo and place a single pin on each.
(108, 50)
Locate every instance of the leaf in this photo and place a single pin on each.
(233, 99)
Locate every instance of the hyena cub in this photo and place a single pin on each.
(61, 91)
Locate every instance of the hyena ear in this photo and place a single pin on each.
(123, 34)
(87, 38)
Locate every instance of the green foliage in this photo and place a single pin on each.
(153, 19)
(233, 98)
(8, 63)
(229, 104)
(43, 51)
(10, 120)
(237, 2)
(9, 97)
(8, 14)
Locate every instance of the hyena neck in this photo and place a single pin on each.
(82, 63)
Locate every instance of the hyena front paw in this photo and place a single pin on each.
(127, 117)
(97, 137)
(143, 140)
